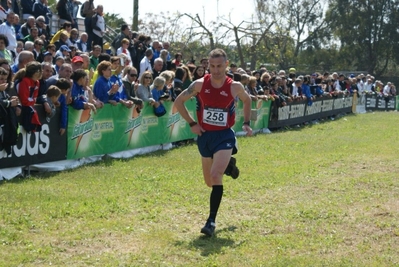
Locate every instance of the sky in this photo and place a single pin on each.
(208, 10)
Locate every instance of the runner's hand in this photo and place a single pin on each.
(197, 129)
(247, 129)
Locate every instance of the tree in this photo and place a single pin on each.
(367, 32)
(308, 22)
(114, 21)
(296, 25)
(203, 29)
(161, 26)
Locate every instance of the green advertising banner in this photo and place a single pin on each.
(117, 128)
(178, 129)
(260, 111)
(239, 117)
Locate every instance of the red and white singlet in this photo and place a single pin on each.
(215, 106)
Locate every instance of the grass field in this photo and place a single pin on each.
(322, 195)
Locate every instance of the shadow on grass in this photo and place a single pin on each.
(26, 177)
(211, 245)
(29, 175)
(106, 161)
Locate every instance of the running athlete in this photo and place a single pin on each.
(215, 94)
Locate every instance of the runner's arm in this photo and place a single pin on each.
(239, 91)
(191, 91)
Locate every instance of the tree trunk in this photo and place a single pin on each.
(135, 16)
(239, 49)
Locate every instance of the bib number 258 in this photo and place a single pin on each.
(218, 118)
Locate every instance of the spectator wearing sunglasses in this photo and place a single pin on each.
(143, 90)
(37, 48)
(10, 89)
(44, 29)
(130, 85)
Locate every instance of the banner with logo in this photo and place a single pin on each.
(117, 128)
(177, 128)
(296, 113)
(33, 148)
(374, 102)
(260, 113)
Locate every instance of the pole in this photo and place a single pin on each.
(136, 15)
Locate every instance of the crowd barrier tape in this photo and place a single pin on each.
(300, 112)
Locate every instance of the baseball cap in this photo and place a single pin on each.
(292, 70)
(65, 48)
(77, 59)
(47, 53)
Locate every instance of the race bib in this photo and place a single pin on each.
(214, 116)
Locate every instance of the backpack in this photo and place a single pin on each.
(81, 10)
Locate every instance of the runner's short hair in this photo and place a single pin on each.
(218, 53)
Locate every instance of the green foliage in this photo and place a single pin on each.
(367, 31)
(351, 35)
(324, 195)
(114, 21)
(52, 4)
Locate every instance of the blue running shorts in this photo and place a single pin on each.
(211, 142)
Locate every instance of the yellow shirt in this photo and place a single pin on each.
(56, 36)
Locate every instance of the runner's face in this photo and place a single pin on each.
(217, 67)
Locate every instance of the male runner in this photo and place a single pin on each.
(215, 94)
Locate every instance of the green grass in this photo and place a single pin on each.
(324, 195)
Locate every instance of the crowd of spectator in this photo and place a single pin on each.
(71, 68)
(284, 88)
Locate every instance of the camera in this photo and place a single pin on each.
(164, 96)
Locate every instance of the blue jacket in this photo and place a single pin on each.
(319, 91)
(120, 95)
(307, 93)
(78, 96)
(39, 9)
(101, 88)
(156, 94)
(64, 111)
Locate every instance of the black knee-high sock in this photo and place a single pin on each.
(215, 199)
